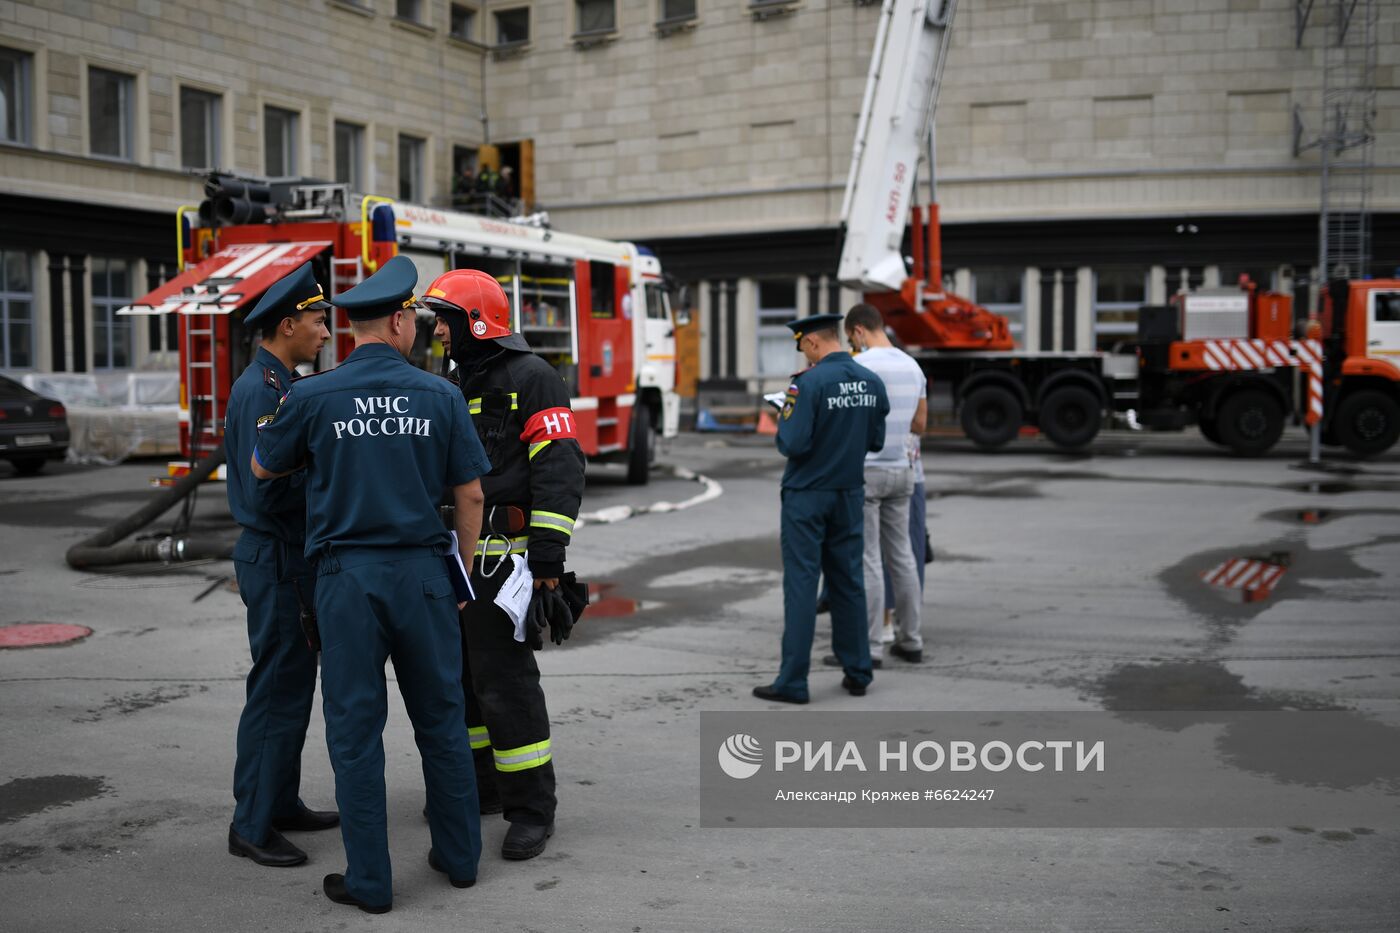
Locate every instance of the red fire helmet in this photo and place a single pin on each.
(477, 295)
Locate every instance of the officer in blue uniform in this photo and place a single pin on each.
(383, 442)
(834, 413)
(275, 583)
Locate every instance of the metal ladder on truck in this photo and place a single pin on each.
(203, 410)
(345, 274)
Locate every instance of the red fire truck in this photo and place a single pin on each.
(596, 309)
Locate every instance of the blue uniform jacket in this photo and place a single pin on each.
(275, 507)
(382, 442)
(833, 415)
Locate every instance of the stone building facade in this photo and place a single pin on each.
(1093, 154)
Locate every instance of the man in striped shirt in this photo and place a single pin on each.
(889, 484)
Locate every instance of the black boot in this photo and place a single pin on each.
(334, 886)
(525, 840)
(307, 821)
(275, 852)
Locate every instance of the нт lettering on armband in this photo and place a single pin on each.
(550, 424)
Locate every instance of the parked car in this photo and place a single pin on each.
(33, 429)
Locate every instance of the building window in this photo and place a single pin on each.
(595, 16)
(677, 11)
(410, 168)
(199, 128)
(411, 10)
(111, 333)
(999, 290)
(280, 141)
(513, 26)
(15, 71)
(16, 310)
(349, 154)
(777, 304)
(1118, 292)
(111, 113)
(462, 22)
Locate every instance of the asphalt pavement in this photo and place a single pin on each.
(1060, 582)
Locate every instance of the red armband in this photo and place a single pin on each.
(551, 424)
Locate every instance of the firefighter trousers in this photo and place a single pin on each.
(507, 721)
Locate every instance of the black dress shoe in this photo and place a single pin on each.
(912, 655)
(853, 688)
(276, 852)
(525, 840)
(435, 865)
(334, 886)
(768, 693)
(832, 660)
(307, 821)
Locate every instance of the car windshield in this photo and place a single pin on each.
(9, 389)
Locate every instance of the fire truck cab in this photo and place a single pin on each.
(596, 309)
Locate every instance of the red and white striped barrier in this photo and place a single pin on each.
(1237, 355)
(1252, 579)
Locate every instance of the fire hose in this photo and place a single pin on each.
(105, 549)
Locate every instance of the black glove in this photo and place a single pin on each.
(535, 621)
(556, 611)
(575, 594)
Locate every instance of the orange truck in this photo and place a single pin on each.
(1228, 361)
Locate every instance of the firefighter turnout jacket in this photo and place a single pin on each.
(520, 407)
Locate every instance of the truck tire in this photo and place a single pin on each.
(1249, 422)
(1070, 416)
(991, 416)
(641, 448)
(1367, 422)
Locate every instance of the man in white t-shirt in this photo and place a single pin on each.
(889, 484)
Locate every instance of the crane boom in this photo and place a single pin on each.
(901, 92)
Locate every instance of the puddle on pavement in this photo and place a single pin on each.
(1343, 487)
(26, 796)
(1321, 516)
(1318, 566)
(1188, 686)
(654, 592)
(1318, 751)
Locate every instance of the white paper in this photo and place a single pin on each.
(457, 559)
(514, 597)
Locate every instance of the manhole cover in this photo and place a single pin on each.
(40, 634)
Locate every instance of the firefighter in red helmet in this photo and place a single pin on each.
(520, 407)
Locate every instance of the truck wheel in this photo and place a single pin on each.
(1250, 422)
(991, 416)
(27, 466)
(1070, 416)
(642, 447)
(1210, 430)
(1368, 422)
